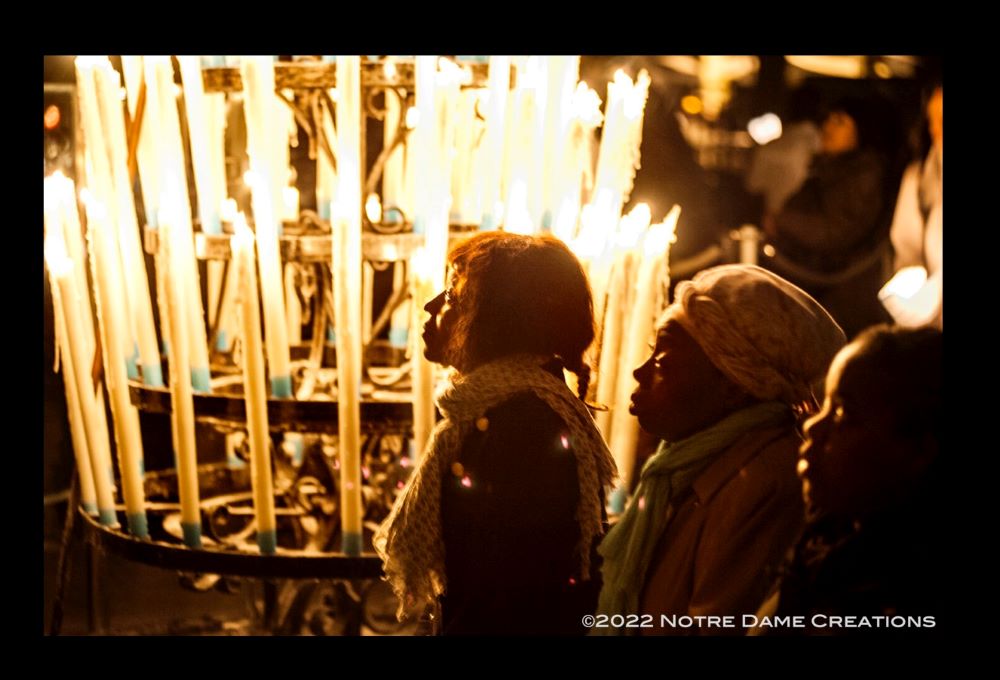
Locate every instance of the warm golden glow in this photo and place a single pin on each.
(691, 105)
(906, 282)
(660, 236)
(373, 208)
(55, 254)
(412, 117)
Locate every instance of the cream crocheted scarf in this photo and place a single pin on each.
(410, 542)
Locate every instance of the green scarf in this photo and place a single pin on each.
(628, 548)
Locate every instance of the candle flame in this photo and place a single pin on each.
(635, 96)
(421, 264)
(632, 226)
(55, 254)
(389, 68)
(450, 73)
(586, 105)
(228, 210)
(412, 117)
(906, 282)
(373, 208)
(660, 236)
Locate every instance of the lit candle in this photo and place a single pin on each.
(114, 328)
(650, 279)
(562, 73)
(209, 204)
(204, 162)
(399, 322)
(493, 141)
(619, 302)
(523, 194)
(293, 308)
(468, 130)
(133, 259)
(147, 152)
(258, 83)
(254, 389)
(99, 171)
(618, 156)
(576, 162)
(395, 164)
(346, 281)
(95, 425)
(326, 178)
(162, 94)
(422, 289)
(61, 267)
(181, 396)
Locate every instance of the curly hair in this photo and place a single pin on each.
(521, 294)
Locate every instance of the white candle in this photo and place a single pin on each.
(147, 151)
(133, 259)
(522, 154)
(618, 157)
(392, 173)
(399, 323)
(576, 162)
(346, 282)
(62, 267)
(182, 399)
(293, 308)
(258, 83)
(95, 425)
(641, 329)
(254, 389)
(99, 174)
(468, 129)
(620, 298)
(562, 73)
(326, 178)
(114, 327)
(162, 94)
(423, 288)
(493, 141)
(209, 204)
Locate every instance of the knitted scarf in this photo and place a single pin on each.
(410, 541)
(628, 548)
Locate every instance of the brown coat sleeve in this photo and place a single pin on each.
(749, 525)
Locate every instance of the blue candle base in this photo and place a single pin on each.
(201, 380)
(152, 375)
(132, 364)
(488, 223)
(547, 221)
(398, 337)
(331, 336)
(192, 534)
(221, 341)
(137, 525)
(107, 517)
(281, 386)
(267, 541)
(351, 544)
(90, 508)
(213, 225)
(617, 501)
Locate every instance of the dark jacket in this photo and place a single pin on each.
(508, 516)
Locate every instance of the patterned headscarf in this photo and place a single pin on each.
(765, 334)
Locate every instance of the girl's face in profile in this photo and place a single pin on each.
(439, 329)
(853, 456)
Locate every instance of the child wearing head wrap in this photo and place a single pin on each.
(738, 355)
